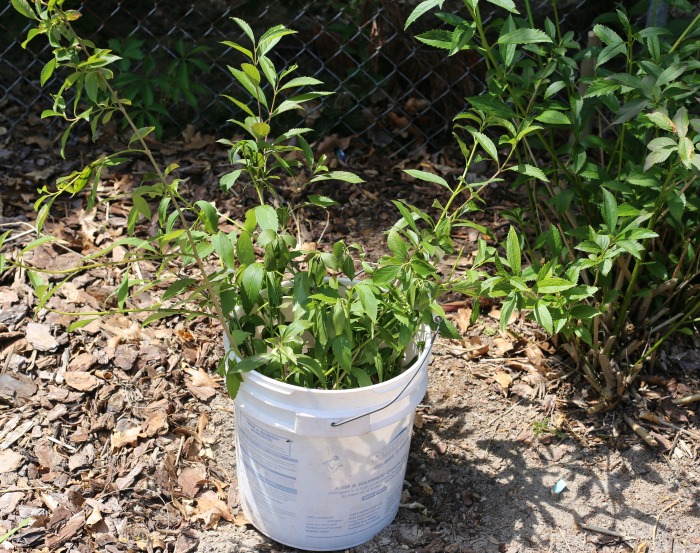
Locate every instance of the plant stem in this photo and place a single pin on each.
(216, 303)
(685, 33)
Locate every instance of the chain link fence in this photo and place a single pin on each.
(391, 91)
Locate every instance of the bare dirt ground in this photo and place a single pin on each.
(117, 437)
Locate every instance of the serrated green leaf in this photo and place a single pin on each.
(251, 363)
(686, 151)
(630, 110)
(437, 38)
(345, 176)
(530, 171)
(342, 352)
(178, 286)
(36, 243)
(609, 211)
(47, 71)
(506, 311)
(656, 157)
(245, 28)
(583, 312)
(123, 290)
(368, 300)
(553, 117)
(609, 52)
(552, 285)
(266, 217)
(524, 36)
(422, 8)
(208, 215)
(427, 177)
(260, 130)
(224, 247)
(680, 122)
(80, 323)
(661, 120)
(543, 316)
(397, 245)
(229, 179)
(607, 35)
(252, 72)
(385, 275)
(513, 251)
(251, 282)
(505, 4)
(363, 379)
(300, 81)
(601, 87)
(244, 249)
(554, 88)
(321, 201)
(140, 134)
(487, 144)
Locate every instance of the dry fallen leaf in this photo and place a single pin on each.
(536, 357)
(504, 379)
(200, 384)
(190, 479)
(474, 347)
(210, 509)
(156, 423)
(94, 517)
(502, 345)
(464, 315)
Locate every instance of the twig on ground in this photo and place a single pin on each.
(643, 433)
(687, 399)
(566, 542)
(651, 417)
(59, 442)
(658, 516)
(27, 489)
(602, 530)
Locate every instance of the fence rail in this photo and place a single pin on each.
(391, 91)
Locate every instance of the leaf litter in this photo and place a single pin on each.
(118, 437)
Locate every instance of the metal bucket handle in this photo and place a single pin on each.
(438, 321)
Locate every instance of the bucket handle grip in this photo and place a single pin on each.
(438, 321)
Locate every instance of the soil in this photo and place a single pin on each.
(116, 437)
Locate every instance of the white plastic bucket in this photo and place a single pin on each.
(323, 469)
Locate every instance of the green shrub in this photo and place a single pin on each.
(609, 164)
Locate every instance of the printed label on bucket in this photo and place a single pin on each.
(319, 491)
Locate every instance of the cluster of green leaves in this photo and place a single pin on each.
(263, 154)
(610, 165)
(295, 315)
(156, 95)
(88, 65)
(300, 317)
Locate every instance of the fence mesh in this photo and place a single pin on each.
(390, 90)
